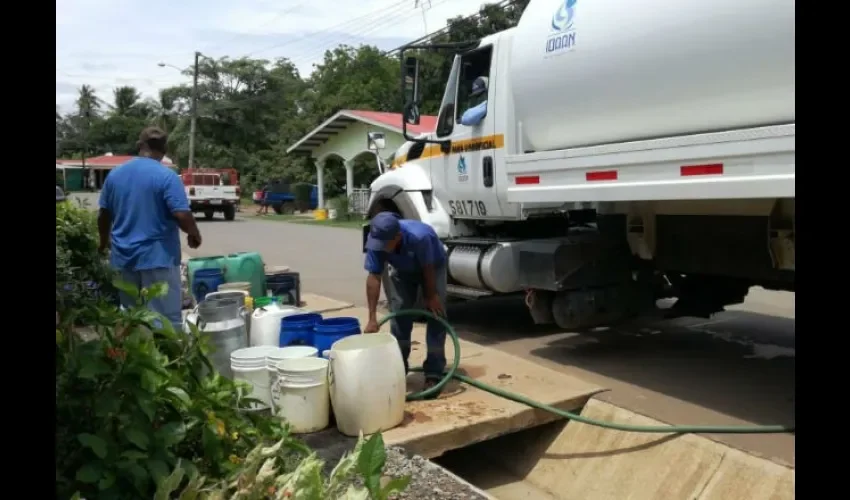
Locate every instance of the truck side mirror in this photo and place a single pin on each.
(411, 80)
(411, 113)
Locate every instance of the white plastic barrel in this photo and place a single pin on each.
(278, 354)
(367, 383)
(301, 394)
(249, 365)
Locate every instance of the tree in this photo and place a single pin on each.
(251, 110)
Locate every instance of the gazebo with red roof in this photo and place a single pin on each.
(344, 135)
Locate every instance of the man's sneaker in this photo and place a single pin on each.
(431, 382)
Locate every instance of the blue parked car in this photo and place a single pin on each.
(282, 199)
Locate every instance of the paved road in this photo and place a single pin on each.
(738, 367)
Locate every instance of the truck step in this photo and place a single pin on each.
(466, 292)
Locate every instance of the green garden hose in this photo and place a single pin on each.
(659, 429)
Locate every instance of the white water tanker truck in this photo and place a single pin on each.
(629, 151)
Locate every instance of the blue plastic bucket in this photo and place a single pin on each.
(206, 281)
(286, 285)
(328, 331)
(298, 329)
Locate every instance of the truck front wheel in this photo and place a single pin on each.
(229, 212)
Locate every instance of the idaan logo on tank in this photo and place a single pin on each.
(562, 32)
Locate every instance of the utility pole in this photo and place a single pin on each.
(194, 117)
(84, 127)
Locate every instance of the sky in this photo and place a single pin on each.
(112, 43)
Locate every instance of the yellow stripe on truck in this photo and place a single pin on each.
(485, 143)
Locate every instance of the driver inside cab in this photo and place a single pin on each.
(478, 103)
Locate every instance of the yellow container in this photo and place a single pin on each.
(320, 214)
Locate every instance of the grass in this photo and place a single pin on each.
(355, 223)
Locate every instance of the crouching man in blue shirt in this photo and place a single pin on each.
(417, 260)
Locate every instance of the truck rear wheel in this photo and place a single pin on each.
(209, 214)
(229, 212)
(288, 208)
(278, 208)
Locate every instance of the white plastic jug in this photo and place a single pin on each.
(265, 323)
(301, 394)
(367, 383)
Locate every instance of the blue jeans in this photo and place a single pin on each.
(169, 305)
(403, 293)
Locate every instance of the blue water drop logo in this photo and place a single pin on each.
(562, 20)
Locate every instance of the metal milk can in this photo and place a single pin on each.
(222, 320)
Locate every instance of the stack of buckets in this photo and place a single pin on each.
(297, 369)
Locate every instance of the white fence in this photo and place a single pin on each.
(358, 201)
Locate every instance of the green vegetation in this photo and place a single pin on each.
(251, 110)
(141, 413)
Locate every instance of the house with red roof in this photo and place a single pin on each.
(98, 167)
(353, 133)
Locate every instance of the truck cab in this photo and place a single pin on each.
(212, 191)
(606, 168)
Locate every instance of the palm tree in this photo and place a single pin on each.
(88, 103)
(125, 98)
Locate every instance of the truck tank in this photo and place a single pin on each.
(588, 72)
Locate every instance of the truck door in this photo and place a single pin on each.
(467, 171)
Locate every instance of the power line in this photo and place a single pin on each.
(241, 35)
(504, 5)
(356, 20)
(371, 28)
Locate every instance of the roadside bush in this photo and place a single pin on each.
(302, 191)
(131, 401)
(82, 273)
(341, 204)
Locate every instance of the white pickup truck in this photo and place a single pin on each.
(621, 152)
(208, 194)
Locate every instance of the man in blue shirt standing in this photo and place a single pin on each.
(417, 260)
(143, 207)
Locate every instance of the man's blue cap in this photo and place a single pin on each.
(382, 229)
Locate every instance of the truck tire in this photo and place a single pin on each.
(278, 208)
(288, 208)
(229, 212)
(209, 214)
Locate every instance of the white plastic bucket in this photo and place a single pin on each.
(249, 365)
(278, 354)
(367, 383)
(332, 214)
(301, 394)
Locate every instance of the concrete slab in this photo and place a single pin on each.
(317, 303)
(465, 415)
(576, 461)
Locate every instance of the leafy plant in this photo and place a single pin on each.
(270, 472)
(341, 204)
(131, 402)
(82, 275)
(370, 464)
